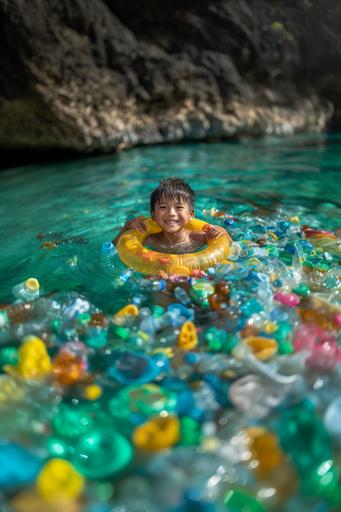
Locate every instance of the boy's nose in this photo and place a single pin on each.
(171, 211)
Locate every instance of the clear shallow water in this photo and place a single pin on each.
(54, 218)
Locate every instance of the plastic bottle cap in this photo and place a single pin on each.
(32, 284)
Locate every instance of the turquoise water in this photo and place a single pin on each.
(54, 217)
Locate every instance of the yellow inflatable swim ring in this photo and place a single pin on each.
(132, 252)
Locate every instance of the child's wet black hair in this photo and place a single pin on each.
(172, 188)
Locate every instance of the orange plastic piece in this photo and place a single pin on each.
(265, 449)
(68, 368)
(261, 347)
(271, 465)
(159, 433)
(188, 338)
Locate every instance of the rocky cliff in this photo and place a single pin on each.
(97, 75)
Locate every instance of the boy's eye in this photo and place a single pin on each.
(180, 207)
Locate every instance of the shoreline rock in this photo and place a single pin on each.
(95, 77)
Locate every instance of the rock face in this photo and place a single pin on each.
(97, 75)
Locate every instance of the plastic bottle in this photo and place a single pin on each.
(236, 249)
(157, 285)
(27, 290)
(123, 277)
(148, 324)
(182, 296)
(108, 249)
(107, 253)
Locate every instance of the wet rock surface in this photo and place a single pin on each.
(95, 75)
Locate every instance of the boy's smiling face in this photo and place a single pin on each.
(171, 215)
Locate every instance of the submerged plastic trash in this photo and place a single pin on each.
(215, 392)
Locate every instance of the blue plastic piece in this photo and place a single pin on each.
(132, 368)
(180, 314)
(185, 403)
(108, 248)
(17, 465)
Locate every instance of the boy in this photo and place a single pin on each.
(172, 207)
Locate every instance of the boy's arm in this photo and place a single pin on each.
(137, 223)
(211, 231)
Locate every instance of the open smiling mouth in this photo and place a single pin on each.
(171, 222)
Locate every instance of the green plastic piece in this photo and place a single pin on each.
(283, 336)
(97, 340)
(286, 258)
(190, 432)
(272, 250)
(238, 501)
(323, 267)
(83, 318)
(8, 355)
(322, 480)
(215, 338)
(3, 319)
(283, 333)
(101, 453)
(200, 292)
(71, 422)
(231, 341)
(285, 347)
(148, 399)
(56, 447)
(304, 437)
(56, 325)
(157, 311)
(122, 332)
(302, 290)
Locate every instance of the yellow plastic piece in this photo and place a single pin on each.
(270, 327)
(188, 338)
(129, 310)
(132, 252)
(32, 284)
(294, 219)
(159, 433)
(261, 347)
(168, 351)
(59, 479)
(273, 235)
(34, 361)
(92, 392)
